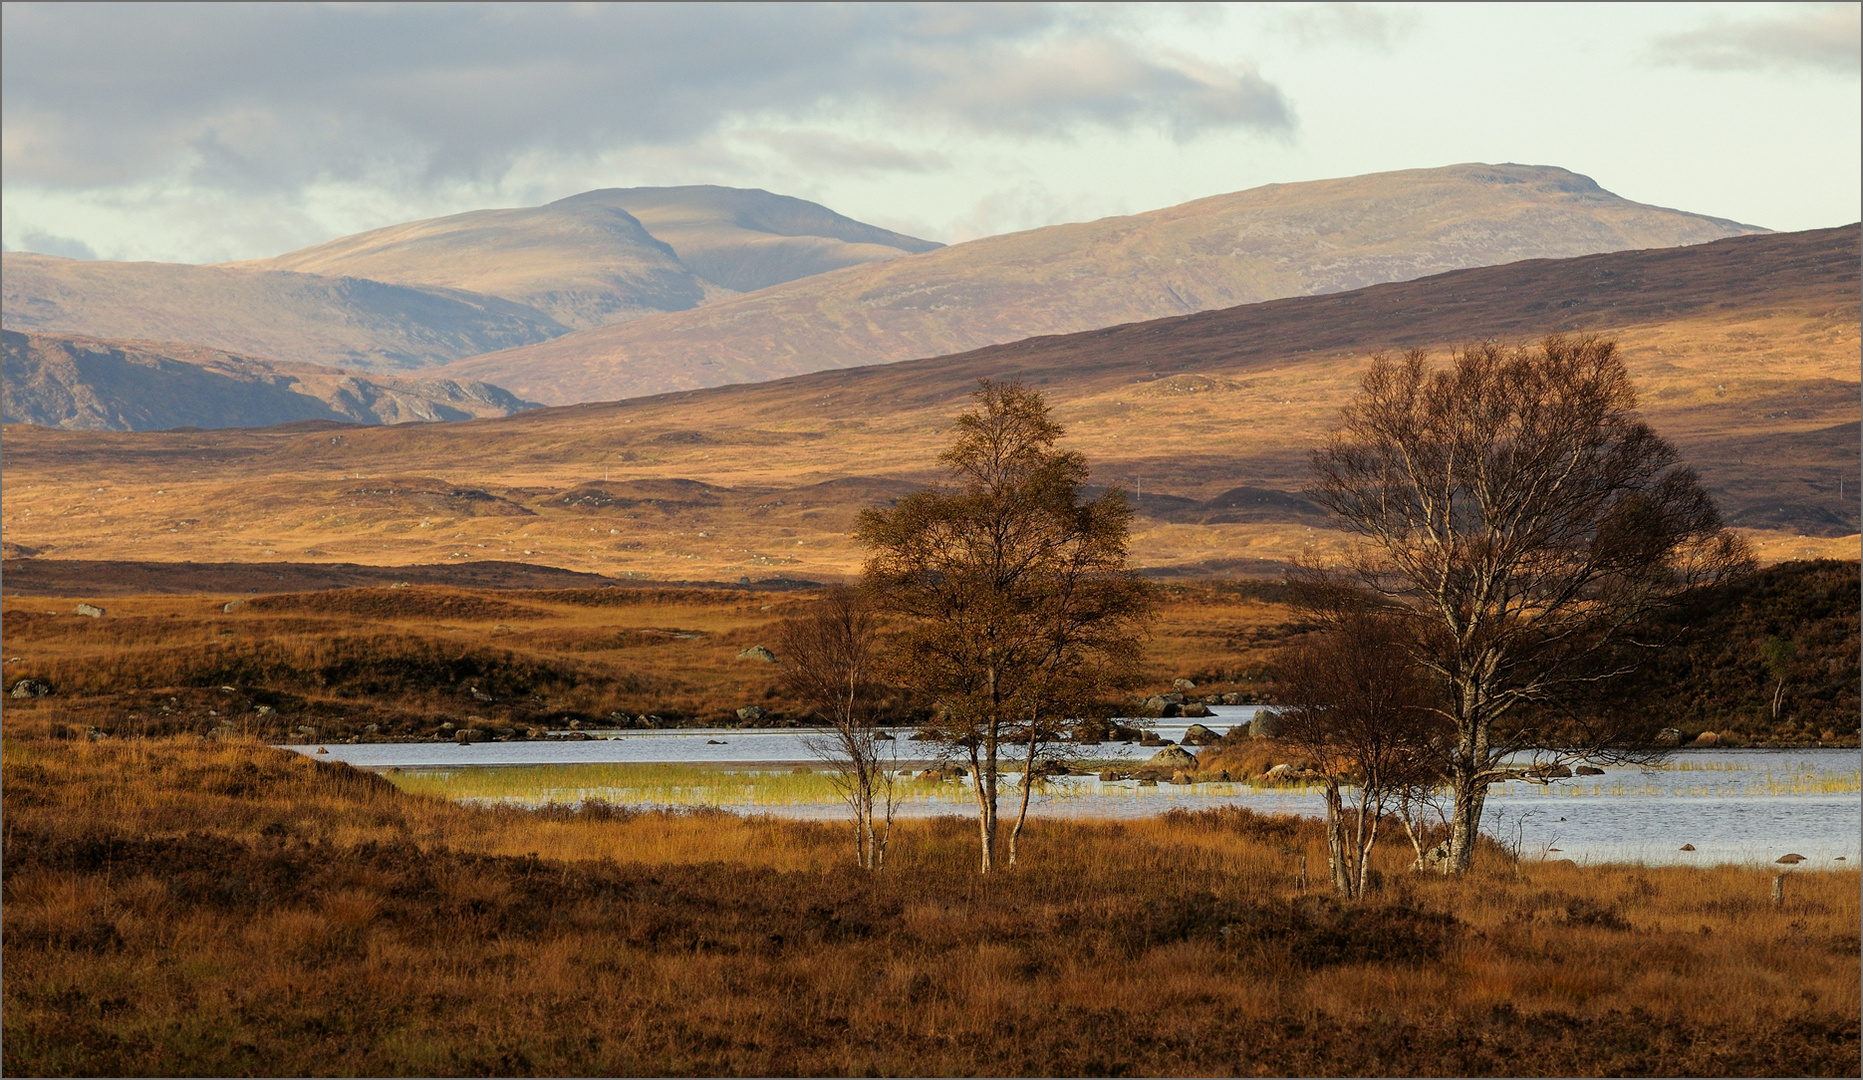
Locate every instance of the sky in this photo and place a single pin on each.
(217, 132)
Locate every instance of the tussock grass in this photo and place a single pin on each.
(185, 906)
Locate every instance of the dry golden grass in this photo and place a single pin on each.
(177, 906)
(407, 659)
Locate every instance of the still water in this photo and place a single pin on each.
(1742, 806)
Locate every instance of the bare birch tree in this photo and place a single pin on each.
(1015, 591)
(830, 659)
(1358, 707)
(1525, 521)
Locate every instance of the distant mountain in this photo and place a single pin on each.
(429, 292)
(1265, 243)
(612, 255)
(340, 322)
(85, 384)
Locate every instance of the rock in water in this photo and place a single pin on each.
(1198, 735)
(1173, 757)
(1790, 860)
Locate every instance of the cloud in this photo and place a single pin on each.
(45, 243)
(1380, 27)
(254, 99)
(1814, 37)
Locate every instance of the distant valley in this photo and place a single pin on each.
(88, 384)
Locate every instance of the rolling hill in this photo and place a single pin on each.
(1265, 243)
(612, 255)
(86, 384)
(1744, 352)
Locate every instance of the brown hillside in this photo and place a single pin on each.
(1277, 241)
(1745, 351)
(86, 384)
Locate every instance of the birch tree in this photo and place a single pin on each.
(1014, 591)
(1522, 517)
(830, 658)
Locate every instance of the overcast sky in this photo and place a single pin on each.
(215, 132)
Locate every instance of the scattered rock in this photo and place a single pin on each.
(1172, 757)
(1790, 860)
(750, 714)
(371, 729)
(1707, 738)
(90, 611)
(30, 688)
(1198, 735)
(262, 710)
(1232, 699)
(1589, 770)
(1686, 847)
(758, 652)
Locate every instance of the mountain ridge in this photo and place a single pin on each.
(89, 384)
(1265, 243)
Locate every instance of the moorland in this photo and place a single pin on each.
(189, 906)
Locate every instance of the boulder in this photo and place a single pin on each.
(1172, 757)
(90, 611)
(1669, 737)
(466, 736)
(1589, 770)
(759, 653)
(1154, 703)
(30, 688)
(1108, 776)
(371, 729)
(1266, 724)
(447, 725)
(1281, 773)
(750, 714)
(1707, 738)
(1198, 735)
(1183, 684)
(307, 731)
(232, 606)
(1232, 699)
(1197, 711)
